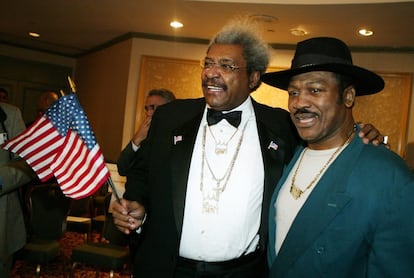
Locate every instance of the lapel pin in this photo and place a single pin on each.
(273, 146)
(177, 138)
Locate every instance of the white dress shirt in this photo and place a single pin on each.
(232, 229)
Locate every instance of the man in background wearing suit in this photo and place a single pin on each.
(155, 98)
(14, 173)
(4, 95)
(203, 186)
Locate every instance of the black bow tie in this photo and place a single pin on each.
(214, 116)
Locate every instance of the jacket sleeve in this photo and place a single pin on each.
(126, 159)
(393, 245)
(136, 186)
(15, 174)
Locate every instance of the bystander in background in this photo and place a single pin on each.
(155, 98)
(4, 95)
(14, 172)
(46, 99)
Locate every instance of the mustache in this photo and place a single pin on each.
(304, 111)
(212, 82)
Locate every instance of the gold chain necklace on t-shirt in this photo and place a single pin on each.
(295, 191)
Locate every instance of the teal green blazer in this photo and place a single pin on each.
(357, 222)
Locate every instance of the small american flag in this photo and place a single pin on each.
(62, 144)
(273, 146)
(178, 138)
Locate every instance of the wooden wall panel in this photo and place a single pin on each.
(388, 109)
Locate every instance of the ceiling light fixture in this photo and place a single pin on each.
(264, 18)
(365, 32)
(34, 34)
(176, 24)
(298, 32)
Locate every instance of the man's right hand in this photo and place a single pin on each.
(142, 132)
(128, 215)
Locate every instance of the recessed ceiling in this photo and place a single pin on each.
(72, 28)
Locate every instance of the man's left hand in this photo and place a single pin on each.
(370, 134)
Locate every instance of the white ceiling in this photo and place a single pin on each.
(74, 27)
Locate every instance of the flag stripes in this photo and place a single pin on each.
(62, 144)
(78, 170)
(37, 145)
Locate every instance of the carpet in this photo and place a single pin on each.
(62, 265)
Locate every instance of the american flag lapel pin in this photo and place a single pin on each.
(177, 138)
(273, 146)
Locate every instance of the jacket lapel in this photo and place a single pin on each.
(183, 140)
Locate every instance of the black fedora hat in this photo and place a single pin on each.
(326, 54)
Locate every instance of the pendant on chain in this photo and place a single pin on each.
(295, 191)
(211, 199)
(221, 148)
(209, 206)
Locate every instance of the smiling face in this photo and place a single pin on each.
(225, 89)
(322, 116)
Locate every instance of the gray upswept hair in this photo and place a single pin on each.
(244, 31)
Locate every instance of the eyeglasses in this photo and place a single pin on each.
(150, 107)
(225, 66)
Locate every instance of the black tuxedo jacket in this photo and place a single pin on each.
(159, 179)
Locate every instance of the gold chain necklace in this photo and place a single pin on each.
(211, 199)
(295, 191)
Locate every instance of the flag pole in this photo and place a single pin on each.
(72, 85)
(112, 185)
(110, 182)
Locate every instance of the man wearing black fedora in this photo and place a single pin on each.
(342, 208)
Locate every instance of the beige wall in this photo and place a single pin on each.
(102, 82)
